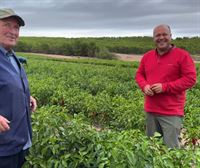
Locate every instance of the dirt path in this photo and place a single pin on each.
(135, 57)
(60, 56)
(123, 57)
(128, 57)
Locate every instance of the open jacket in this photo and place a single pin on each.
(15, 106)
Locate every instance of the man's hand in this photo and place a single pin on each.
(157, 88)
(4, 124)
(33, 103)
(148, 91)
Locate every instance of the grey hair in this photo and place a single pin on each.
(163, 25)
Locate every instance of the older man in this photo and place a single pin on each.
(15, 100)
(164, 75)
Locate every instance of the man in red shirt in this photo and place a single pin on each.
(164, 75)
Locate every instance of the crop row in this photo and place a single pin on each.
(91, 115)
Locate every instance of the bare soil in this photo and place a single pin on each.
(128, 57)
(60, 56)
(123, 57)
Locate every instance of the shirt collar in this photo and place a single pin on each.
(173, 46)
(5, 52)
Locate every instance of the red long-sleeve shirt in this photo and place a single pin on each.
(175, 70)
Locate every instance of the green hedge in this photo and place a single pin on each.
(98, 47)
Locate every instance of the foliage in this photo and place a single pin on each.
(91, 115)
(98, 47)
(63, 141)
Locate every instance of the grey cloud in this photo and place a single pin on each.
(115, 15)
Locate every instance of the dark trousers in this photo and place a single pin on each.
(13, 161)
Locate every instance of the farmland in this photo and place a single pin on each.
(90, 115)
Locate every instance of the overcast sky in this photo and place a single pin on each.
(97, 18)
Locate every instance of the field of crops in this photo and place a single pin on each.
(91, 115)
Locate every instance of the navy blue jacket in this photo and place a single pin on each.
(15, 106)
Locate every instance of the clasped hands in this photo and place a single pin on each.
(150, 90)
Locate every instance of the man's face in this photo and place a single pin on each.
(9, 32)
(162, 38)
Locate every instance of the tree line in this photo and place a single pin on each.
(98, 47)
